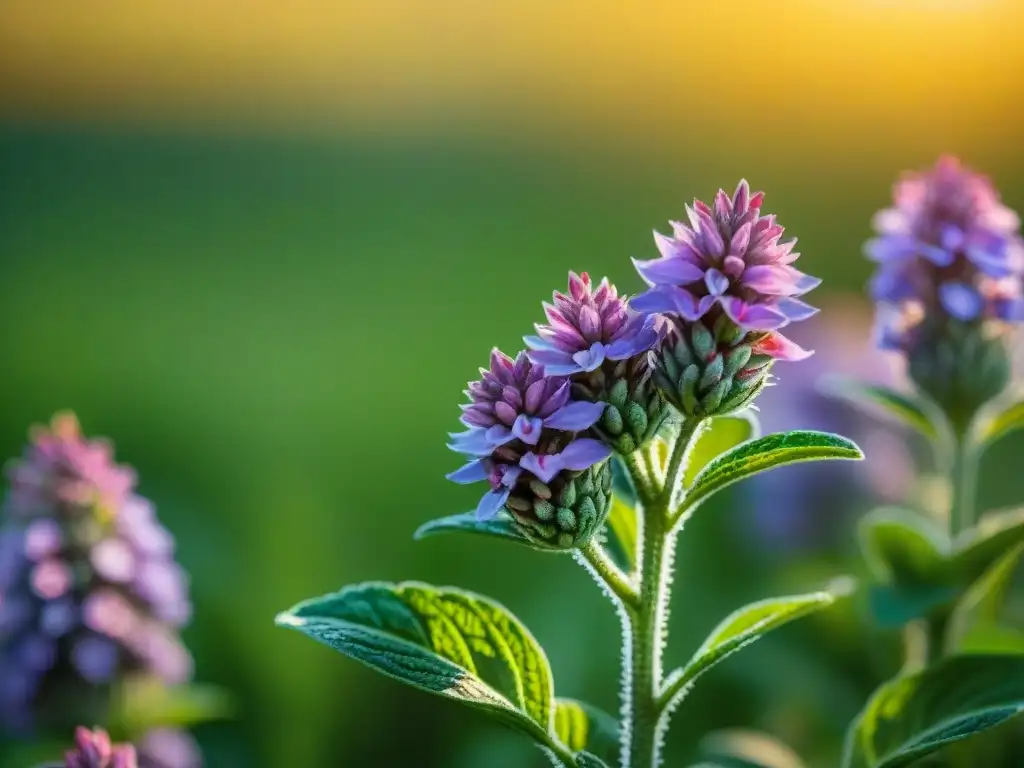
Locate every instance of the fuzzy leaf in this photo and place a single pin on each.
(903, 547)
(880, 400)
(746, 625)
(766, 453)
(915, 715)
(981, 546)
(974, 624)
(749, 749)
(581, 726)
(442, 640)
(500, 527)
(620, 534)
(893, 605)
(724, 434)
(998, 425)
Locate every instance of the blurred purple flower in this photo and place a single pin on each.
(93, 749)
(522, 424)
(809, 505)
(587, 327)
(89, 589)
(949, 247)
(169, 748)
(729, 259)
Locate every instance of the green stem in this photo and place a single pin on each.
(964, 485)
(646, 622)
(609, 574)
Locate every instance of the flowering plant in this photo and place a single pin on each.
(584, 442)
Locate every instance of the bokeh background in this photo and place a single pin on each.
(264, 245)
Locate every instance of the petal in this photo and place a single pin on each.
(535, 395)
(506, 412)
(590, 359)
(498, 435)
(960, 300)
(940, 257)
(778, 280)
(539, 342)
(675, 248)
(473, 442)
(1009, 310)
(544, 466)
(668, 271)
(891, 248)
(634, 344)
(740, 240)
(894, 283)
(951, 237)
(556, 363)
(528, 429)
(778, 346)
(689, 306)
(579, 286)
(473, 472)
(575, 416)
(741, 197)
(491, 503)
(581, 454)
(752, 317)
(653, 301)
(716, 282)
(794, 309)
(590, 324)
(557, 398)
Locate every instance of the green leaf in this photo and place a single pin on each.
(917, 714)
(500, 527)
(880, 400)
(587, 760)
(995, 427)
(766, 453)
(439, 639)
(622, 483)
(723, 434)
(620, 534)
(974, 624)
(142, 703)
(581, 726)
(746, 625)
(893, 605)
(903, 547)
(979, 547)
(749, 749)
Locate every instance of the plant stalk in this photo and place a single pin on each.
(647, 631)
(964, 479)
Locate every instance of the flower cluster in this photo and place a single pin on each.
(947, 246)
(595, 339)
(89, 587)
(949, 282)
(93, 749)
(522, 437)
(727, 283)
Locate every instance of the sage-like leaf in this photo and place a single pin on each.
(620, 534)
(979, 547)
(885, 402)
(763, 454)
(917, 714)
(723, 434)
(743, 627)
(996, 426)
(440, 639)
(974, 624)
(581, 726)
(749, 749)
(500, 527)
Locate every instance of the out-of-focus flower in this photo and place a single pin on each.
(726, 282)
(93, 749)
(169, 748)
(601, 345)
(949, 283)
(808, 505)
(89, 587)
(523, 440)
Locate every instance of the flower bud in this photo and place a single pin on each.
(565, 514)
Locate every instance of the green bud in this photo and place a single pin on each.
(703, 341)
(688, 389)
(735, 359)
(682, 355)
(583, 501)
(540, 490)
(712, 373)
(618, 394)
(636, 417)
(612, 420)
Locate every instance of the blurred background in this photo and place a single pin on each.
(263, 246)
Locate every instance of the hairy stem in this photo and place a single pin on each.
(613, 578)
(647, 633)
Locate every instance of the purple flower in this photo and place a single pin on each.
(169, 748)
(89, 589)
(588, 327)
(93, 749)
(948, 248)
(729, 259)
(515, 400)
(520, 419)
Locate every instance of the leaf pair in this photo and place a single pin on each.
(458, 645)
(920, 569)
